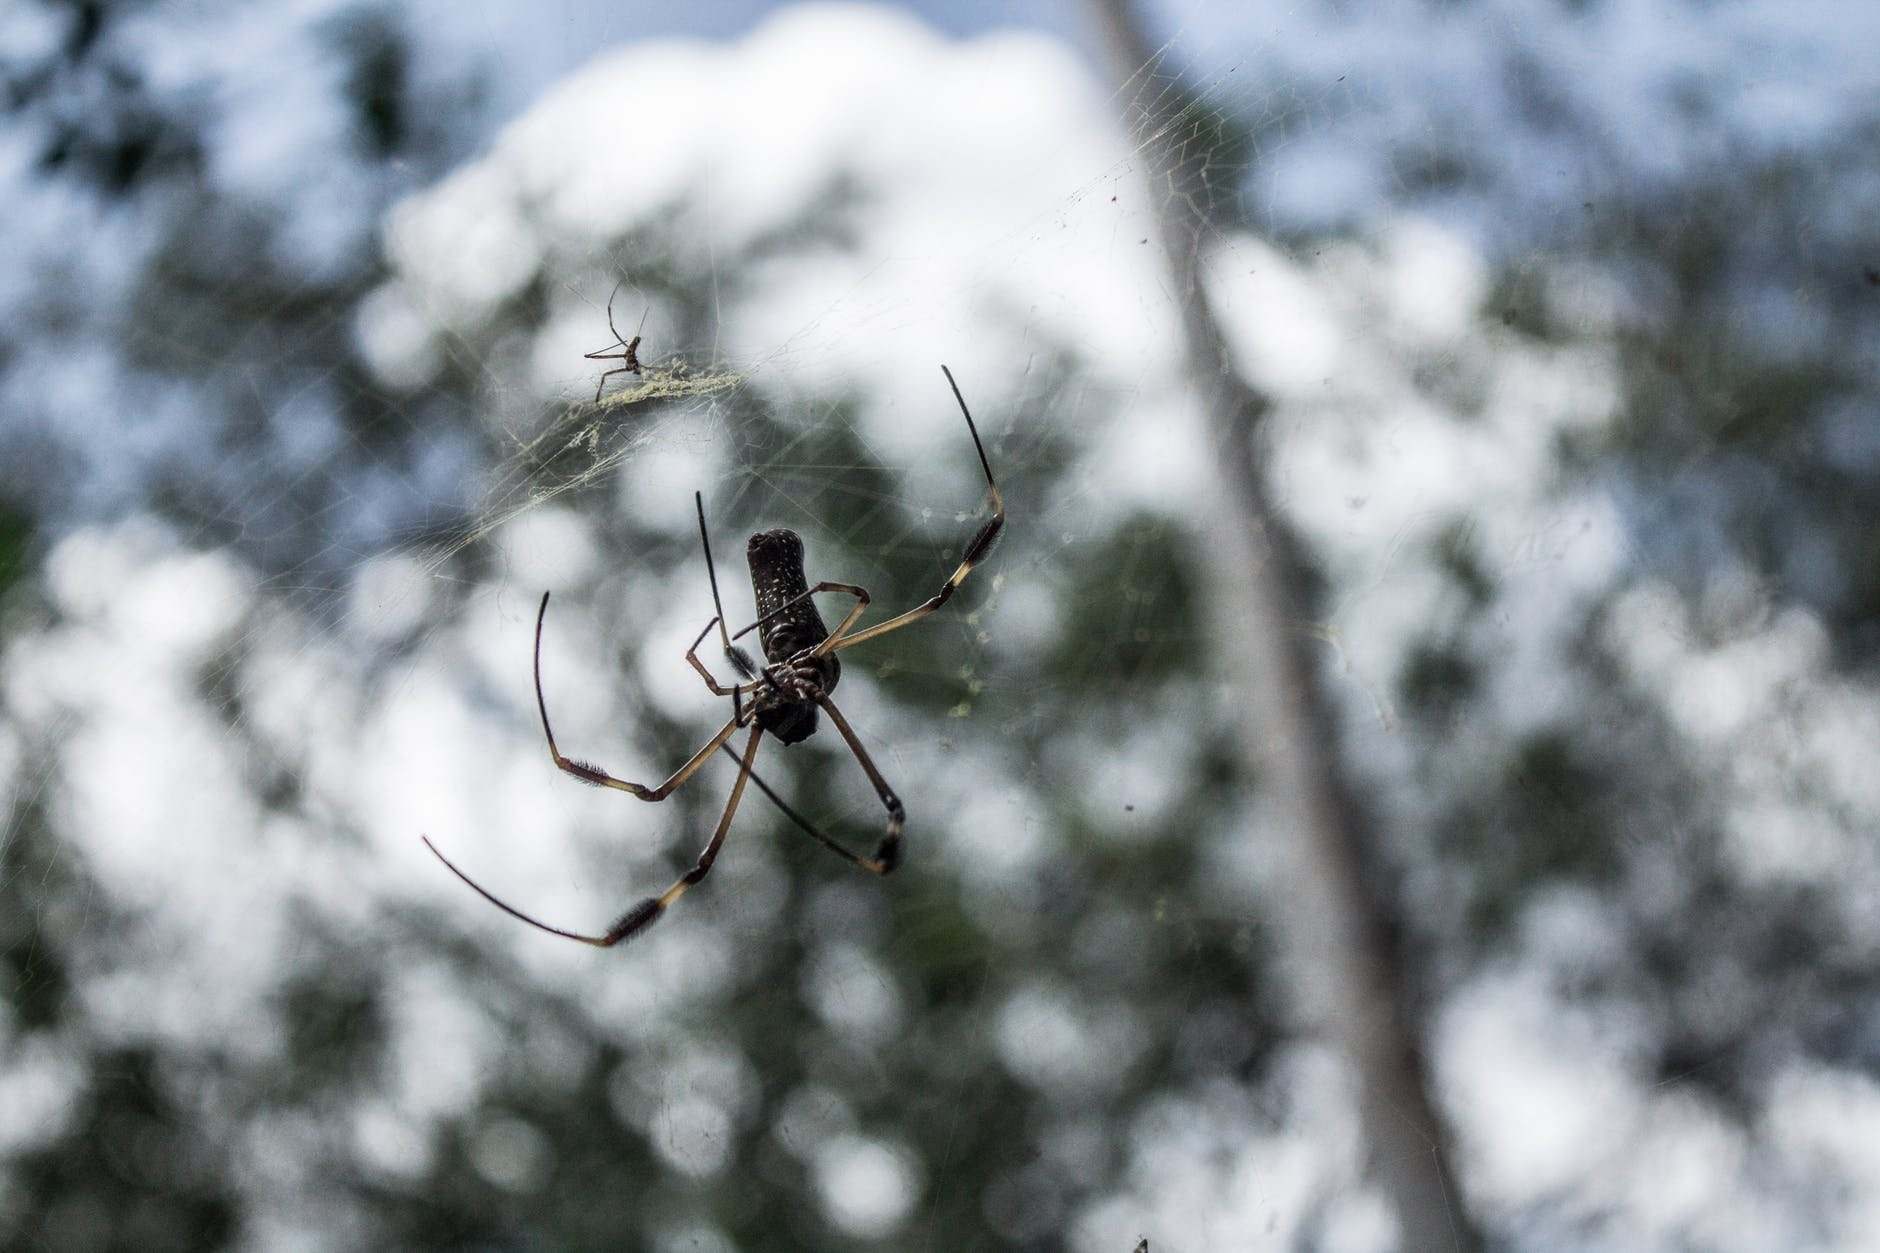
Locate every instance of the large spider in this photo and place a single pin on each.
(784, 696)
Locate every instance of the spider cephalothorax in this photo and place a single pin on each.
(787, 710)
(781, 699)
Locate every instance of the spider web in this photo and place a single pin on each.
(234, 703)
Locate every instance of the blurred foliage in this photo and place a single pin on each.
(1748, 426)
(1539, 826)
(34, 871)
(131, 1169)
(1132, 614)
(16, 550)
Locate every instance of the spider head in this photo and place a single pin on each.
(786, 704)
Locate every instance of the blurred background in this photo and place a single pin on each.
(1565, 315)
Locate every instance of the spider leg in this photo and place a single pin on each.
(600, 778)
(739, 659)
(602, 385)
(610, 311)
(888, 852)
(976, 550)
(811, 829)
(507, 908)
(648, 911)
(859, 593)
(737, 656)
(604, 354)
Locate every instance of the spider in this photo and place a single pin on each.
(781, 699)
(629, 357)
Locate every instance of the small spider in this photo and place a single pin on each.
(783, 696)
(629, 357)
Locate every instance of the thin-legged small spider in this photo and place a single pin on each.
(801, 671)
(629, 357)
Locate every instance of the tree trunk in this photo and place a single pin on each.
(1335, 930)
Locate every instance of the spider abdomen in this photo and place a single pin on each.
(788, 625)
(788, 621)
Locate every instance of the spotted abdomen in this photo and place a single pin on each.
(788, 624)
(777, 580)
